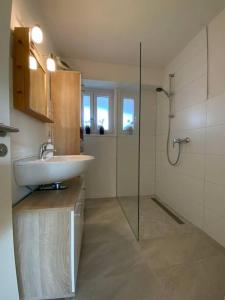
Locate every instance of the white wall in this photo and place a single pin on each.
(127, 165)
(148, 142)
(32, 132)
(196, 187)
(182, 186)
(101, 176)
(127, 152)
(8, 282)
(115, 169)
(116, 72)
(214, 189)
(127, 149)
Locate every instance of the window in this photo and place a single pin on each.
(128, 115)
(97, 110)
(86, 110)
(102, 104)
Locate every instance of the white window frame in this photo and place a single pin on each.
(94, 93)
(86, 92)
(127, 95)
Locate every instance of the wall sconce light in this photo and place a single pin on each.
(32, 63)
(51, 65)
(36, 34)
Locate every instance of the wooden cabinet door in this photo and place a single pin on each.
(30, 87)
(44, 250)
(66, 98)
(57, 256)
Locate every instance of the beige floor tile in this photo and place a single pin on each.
(140, 284)
(203, 280)
(176, 249)
(155, 222)
(107, 232)
(101, 202)
(175, 262)
(103, 259)
(103, 214)
(129, 207)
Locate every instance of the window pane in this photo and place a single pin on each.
(86, 110)
(103, 111)
(128, 114)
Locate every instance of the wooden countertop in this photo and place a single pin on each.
(52, 199)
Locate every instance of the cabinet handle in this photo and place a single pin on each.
(72, 262)
(78, 209)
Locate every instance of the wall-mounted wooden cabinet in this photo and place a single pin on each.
(66, 99)
(30, 86)
(31, 94)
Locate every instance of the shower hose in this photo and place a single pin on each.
(172, 163)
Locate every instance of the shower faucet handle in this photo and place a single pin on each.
(185, 140)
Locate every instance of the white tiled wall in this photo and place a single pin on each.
(115, 169)
(196, 187)
(101, 176)
(148, 142)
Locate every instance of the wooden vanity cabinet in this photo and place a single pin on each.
(66, 99)
(47, 237)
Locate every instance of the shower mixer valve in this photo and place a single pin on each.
(185, 140)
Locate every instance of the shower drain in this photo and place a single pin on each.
(168, 211)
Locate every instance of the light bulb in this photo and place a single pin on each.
(51, 67)
(36, 34)
(32, 63)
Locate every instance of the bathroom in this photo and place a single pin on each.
(112, 179)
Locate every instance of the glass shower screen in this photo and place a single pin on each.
(128, 147)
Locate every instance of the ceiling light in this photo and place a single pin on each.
(37, 34)
(32, 63)
(51, 66)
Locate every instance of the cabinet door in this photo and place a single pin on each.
(56, 230)
(76, 246)
(78, 217)
(30, 87)
(66, 98)
(44, 242)
(27, 254)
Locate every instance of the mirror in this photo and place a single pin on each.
(38, 87)
(31, 88)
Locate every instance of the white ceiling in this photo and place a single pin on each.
(110, 30)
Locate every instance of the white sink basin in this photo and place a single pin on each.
(55, 169)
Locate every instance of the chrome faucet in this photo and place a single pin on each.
(44, 151)
(185, 140)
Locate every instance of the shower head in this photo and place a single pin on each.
(160, 89)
